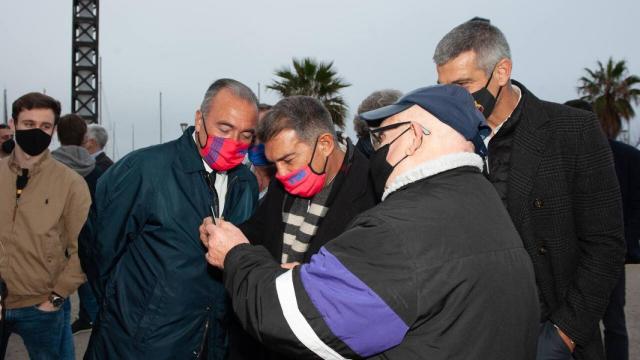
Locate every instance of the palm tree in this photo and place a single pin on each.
(314, 79)
(611, 90)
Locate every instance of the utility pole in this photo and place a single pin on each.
(84, 59)
(6, 115)
(160, 117)
(100, 90)
(113, 143)
(258, 92)
(133, 137)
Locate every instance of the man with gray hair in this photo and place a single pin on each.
(553, 169)
(158, 297)
(95, 142)
(375, 100)
(321, 186)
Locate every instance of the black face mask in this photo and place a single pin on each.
(7, 146)
(33, 141)
(485, 99)
(380, 168)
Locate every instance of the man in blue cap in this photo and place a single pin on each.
(435, 271)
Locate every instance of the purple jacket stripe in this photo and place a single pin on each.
(354, 313)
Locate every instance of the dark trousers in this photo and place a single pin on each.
(88, 303)
(550, 344)
(616, 340)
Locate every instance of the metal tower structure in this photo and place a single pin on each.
(84, 53)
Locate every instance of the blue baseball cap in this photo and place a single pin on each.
(451, 104)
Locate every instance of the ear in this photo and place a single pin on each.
(326, 144)
(503, 71)
(418, 134)
(198, 120)
(12, 125)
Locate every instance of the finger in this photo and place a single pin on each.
(209, 259)
(210, 229)
(208, 220)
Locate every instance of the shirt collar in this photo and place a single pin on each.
(97, 153)
(434, 167)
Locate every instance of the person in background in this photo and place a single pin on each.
(627, 163)
(72, 130)
(95, 142)
(375, 100)
(44, 207)
(552, 168)
(6, 141)
(261, 167)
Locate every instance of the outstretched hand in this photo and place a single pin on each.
(221, 238)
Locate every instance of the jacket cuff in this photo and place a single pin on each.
(233, 256)
(576, 332)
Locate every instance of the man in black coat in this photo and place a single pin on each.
(95, 142)
(627, 162)
(553, 169)
(321, 183)
(435, 271)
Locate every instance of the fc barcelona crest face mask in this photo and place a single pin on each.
(305, 182)
(222, 154)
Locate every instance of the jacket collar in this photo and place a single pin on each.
(188, 158)
(433, 167)
(530, 100)
(529, 143)
(37, 167)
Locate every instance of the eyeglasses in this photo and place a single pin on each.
(377, 134)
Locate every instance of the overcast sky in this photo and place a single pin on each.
(180, 47)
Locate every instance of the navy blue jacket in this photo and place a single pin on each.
(159, 299)
(627, 162)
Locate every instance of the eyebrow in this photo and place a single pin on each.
(461, 81)
(281, 158)
(226, 123)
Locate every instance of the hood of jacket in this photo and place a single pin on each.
(75, 157)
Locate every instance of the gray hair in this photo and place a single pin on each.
(237, 88)
(306, 115)
(375, 100)
(486, 40)
(99, 134)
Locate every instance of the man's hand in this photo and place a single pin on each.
(290, 265)
(47, 306)
(567, 340)
(204, 235)
(221, 239)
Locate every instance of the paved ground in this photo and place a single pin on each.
(16, 350)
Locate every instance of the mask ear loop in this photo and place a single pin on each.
(394, 140)
(326, 160)
(204, 126)
(486, 86)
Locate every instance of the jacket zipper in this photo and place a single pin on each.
(15, 211)
(204, 336)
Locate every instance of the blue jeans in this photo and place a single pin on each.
(41, 331)
(88, 303)
(66, 344)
